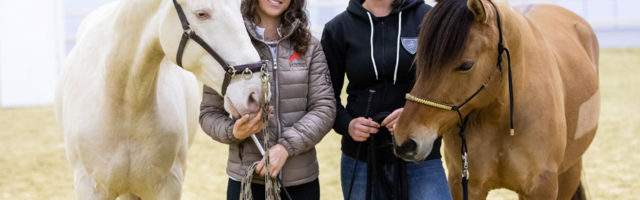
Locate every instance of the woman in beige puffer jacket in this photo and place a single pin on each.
(302, 99)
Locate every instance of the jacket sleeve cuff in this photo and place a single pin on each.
(232, 139)
(341, 125)
(287, 146)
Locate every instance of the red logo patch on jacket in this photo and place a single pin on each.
(294, 57)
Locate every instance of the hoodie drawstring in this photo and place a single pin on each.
(375, 68)
(373, 60)
(395, 72)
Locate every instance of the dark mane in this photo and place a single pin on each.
(443, 33)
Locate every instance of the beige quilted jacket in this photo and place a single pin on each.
(304, 112)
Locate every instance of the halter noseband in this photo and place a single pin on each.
(463, 149)
(247, 70)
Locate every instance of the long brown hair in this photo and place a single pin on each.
(301, 36)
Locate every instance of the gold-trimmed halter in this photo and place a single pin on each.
(428, 102)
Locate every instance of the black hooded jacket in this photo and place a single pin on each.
(347, 43)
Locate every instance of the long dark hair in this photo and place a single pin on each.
(301, 36)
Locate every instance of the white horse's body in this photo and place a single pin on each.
(128, 113)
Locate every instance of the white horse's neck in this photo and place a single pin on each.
(132, 70)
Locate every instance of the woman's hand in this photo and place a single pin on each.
(247, 125)
(392, 119)
(277, 157)
(361, 128)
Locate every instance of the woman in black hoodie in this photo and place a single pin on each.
(363, 43)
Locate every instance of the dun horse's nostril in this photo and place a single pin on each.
(407, 148)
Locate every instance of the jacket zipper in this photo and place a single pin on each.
(277, 108)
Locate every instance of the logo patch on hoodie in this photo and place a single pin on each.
(410, 44)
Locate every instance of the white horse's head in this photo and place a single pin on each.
(219, 23)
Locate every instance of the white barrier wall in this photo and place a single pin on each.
(35, 35)
(31, 51)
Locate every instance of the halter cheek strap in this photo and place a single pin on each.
(230, 71)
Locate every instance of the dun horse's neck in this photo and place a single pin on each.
(132, 73)
(517, 30)
(495, 116)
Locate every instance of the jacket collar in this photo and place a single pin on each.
(285, 31)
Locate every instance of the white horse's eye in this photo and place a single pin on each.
(202, 15)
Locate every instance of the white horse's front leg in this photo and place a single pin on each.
(167, 186)
(87, 188)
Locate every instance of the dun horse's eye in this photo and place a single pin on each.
(466, 66)
(202, 15)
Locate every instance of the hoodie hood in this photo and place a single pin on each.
(355, 7)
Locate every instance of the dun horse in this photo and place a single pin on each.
(463, 87)
(129, 113)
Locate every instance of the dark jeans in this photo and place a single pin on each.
(426, 179)
(310, 191)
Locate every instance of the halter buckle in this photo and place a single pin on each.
(188, 30)
(232, 71)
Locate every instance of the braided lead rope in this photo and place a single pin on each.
(272, 187)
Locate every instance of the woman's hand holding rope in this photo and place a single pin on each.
(361, 128)
(277, 157)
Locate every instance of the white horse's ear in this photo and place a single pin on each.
(477, 8)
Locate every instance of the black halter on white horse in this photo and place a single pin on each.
(465, 164)
(230, 71)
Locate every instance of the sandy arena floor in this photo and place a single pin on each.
(33, 163)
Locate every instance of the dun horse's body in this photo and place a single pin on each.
(128, 113)
(554, 58)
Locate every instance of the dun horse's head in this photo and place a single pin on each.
(220, 26)
(457, 55)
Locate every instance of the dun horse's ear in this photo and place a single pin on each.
(477, 8)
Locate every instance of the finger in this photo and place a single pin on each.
(263, 171)
(373, 130)
(366, 129)
(361, 128)
(242, 120)
(359, 136)
(388, 119)
(393, 116)
(257, 118)
(369, 122)
(275, 172)
(260, 167)
(362, 134)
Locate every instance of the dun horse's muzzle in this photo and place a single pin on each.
(406, 150)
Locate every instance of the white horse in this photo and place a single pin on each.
(129, 113)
